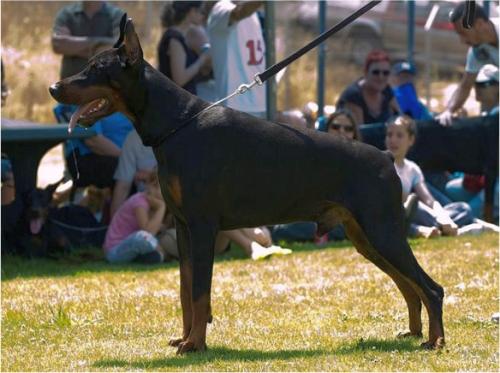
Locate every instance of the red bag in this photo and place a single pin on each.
(473, 183)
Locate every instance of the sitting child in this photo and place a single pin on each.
(131, 234)
(429, 217)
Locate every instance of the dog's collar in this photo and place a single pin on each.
(163, 137)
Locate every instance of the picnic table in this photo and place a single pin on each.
(25, 143)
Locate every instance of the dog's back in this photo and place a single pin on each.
(277, 163)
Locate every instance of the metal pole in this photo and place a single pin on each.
(269, 25)
(411, 29)
(428, 51)
(486, 6)
(320, 85)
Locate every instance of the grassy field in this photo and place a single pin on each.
(316, 310)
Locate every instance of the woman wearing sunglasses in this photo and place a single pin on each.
(342, 123)
(370, 98)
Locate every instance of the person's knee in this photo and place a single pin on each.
(168, 243)
(262, 236)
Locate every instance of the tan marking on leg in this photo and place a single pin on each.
(175, 189)
(408, 288)
(187, 307)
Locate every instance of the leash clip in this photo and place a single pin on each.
(257, 79)
(245, 87)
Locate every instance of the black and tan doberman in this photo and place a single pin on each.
(224, 169)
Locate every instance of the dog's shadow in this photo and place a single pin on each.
(212, 354)
(228, 354)
(380, 345)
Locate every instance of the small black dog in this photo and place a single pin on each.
(24, 228)
(224, 169)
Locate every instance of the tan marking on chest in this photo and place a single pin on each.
(175, 190)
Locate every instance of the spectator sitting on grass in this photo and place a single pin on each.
(131, 234)
(403, 86)
(429, 218)
(342, 123)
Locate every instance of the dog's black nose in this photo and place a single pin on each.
(53, 89)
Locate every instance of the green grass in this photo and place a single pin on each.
(316, 310)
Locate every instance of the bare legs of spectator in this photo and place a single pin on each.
(256, 242)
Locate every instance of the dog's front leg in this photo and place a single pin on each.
(200, 263)
(185, 269)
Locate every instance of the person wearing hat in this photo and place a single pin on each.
(486, 87)
(403, 76)
(482, 39)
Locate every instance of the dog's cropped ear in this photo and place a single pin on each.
(123, 21)
(132, 46)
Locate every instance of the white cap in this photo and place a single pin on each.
(487, 73)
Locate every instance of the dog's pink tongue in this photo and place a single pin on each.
(35, 225)
(74, 119)
(76, 115)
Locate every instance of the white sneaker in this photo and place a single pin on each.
(473, 229)
(488, 227)
(278, 250)
(260, 252)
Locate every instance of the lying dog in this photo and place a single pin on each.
(225, 169)
(24, 228)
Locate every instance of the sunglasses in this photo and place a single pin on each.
(489, 83)
(380, 72)
(337, 127)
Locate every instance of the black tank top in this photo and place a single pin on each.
(353, 94)
(164, 58)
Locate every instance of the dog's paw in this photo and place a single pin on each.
(188, 346)
(175, 342)
(402, 335)
(434, 345)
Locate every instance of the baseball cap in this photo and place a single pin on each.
(404, 66)
(487, 73)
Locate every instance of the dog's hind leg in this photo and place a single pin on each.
(196, 277)
(384, 244)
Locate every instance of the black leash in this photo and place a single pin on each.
(273, 70)
(262, 77)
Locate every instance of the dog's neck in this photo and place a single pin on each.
(161, 106)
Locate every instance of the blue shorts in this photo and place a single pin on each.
(138, 243)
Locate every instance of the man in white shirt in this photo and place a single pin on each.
(238, 53)
(482, 38)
